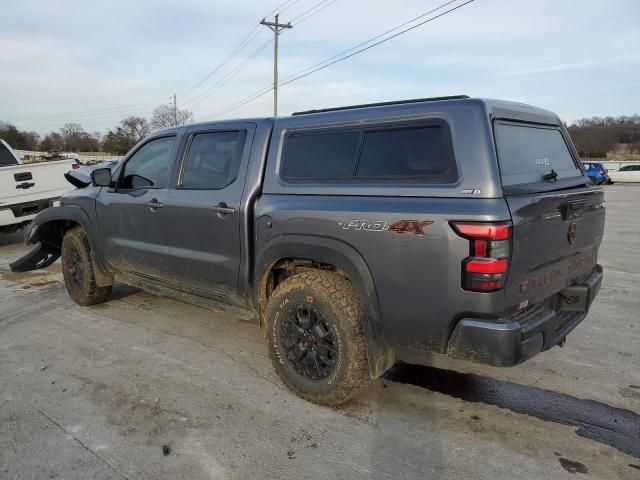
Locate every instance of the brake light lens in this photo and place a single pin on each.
(488, 231)
(75, 166)
(486, 267)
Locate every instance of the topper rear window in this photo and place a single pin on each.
(528, 152)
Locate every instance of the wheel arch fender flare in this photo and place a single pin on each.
(48, 229)
(343, 256)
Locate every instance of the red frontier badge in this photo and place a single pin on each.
(409, 226)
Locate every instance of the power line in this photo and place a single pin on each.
(246, 40)
(115, 109)
(372, 39)
(281, 8)
(104, 110)
(211, 90)
(243, 43)
(310, 9)
(298, 77)
(218, 85)
(351, 53)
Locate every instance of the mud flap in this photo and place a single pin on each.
(40, 257)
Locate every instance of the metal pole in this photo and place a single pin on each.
(276, 32)
(275, 28)
(175, 111)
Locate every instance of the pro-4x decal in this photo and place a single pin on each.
(401, 226)
(410, 226)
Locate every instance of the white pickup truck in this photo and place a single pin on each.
(26, 189)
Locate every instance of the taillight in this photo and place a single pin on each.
(75, 166)
(486, 267)
(602, 172)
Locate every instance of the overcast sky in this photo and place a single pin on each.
(96, 62)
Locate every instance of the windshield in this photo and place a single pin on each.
(527, 153)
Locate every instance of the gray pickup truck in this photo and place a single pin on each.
(452, 225)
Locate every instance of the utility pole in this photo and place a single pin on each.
(275, 27)
(175, 111)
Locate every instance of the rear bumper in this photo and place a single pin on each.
(508, 341)
(24, 212)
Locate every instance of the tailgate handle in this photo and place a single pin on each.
(22, 176)
(571, 209)
(25, 185)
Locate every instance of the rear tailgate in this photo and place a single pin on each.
(30, 182)
(558, 222)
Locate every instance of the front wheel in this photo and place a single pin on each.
(316, 342)
(77, 269)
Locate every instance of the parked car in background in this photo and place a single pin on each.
(627, 174)
(26, 189)
(597, 173)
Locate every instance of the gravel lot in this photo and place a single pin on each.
(96, 393)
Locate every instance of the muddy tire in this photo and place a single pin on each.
(315, 337)
(77, 269)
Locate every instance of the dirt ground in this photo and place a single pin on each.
(95, 393)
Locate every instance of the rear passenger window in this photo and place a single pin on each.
(406, 153)
(411, 152)
(321, 155)
(213, 160)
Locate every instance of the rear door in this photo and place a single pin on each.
(203, 210)
(558, 221)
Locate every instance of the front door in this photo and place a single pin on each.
(203, 210)
(131, 216)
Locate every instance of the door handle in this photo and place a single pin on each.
(154, 204)
(222, 209)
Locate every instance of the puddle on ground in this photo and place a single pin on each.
(616, 427)
(572, 466)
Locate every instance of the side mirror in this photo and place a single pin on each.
(101, 177)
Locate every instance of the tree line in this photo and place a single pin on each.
(72, 137)
(596, 136)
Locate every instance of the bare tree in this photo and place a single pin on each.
(126, 134)
(136, 127)
(51, 141)
(70, 129)
(163, 117)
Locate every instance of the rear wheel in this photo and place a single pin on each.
(77, 269)
(315, 337)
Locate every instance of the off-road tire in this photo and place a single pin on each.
(335, 298)
(77, 269)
